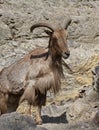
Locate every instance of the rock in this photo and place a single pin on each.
(2, 1)
(16, 121)
(1, 68)
(54, 114)
(85, 124)
(96, 118)
(78, 111)
(4, 32)
(79, 125)
(83, 68)
(84, 108)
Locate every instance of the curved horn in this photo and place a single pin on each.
(41, 25)
(68, 22)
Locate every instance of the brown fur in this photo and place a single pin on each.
(3, 101)
(31, 77)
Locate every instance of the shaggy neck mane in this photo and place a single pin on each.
(56, 66)
(56, 57)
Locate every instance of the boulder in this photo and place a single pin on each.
(16, 121)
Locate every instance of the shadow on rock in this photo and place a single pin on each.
(59, 119)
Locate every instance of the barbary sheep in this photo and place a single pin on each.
(37, 72)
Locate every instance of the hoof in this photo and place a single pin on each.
(38, 122)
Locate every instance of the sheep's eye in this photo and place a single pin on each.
(55, 38)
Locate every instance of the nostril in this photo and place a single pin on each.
(66, 55)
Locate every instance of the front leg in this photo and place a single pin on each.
(25, 108)
(38, 115)
(3, 103)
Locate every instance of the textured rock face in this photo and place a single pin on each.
(15, 121)
(71, 104)
(16, 17)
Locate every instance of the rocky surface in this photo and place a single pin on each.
(15, 121)
(76, 104)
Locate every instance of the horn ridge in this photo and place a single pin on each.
(41, 25)
(68, 22)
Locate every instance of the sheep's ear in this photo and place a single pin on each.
(48, 32)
